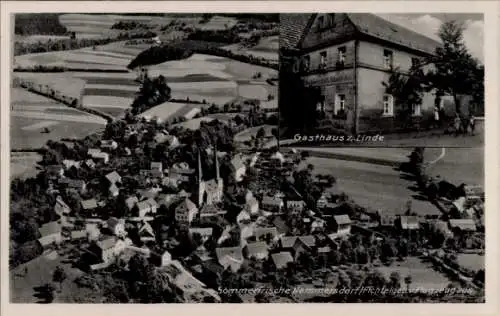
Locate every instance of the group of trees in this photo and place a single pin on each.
(151, 93)
(453, 72)
(182, 49)
(130, 25)
(38, 24)
(21, 48)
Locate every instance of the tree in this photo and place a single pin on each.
(456, 71)
(408, 282)
(59, 276)
(395, 280)
(407, 90)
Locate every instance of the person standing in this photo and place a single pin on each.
(457, 124)
(472, 124)
(437, 122)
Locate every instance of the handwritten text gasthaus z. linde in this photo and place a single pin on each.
(338, 138)
(362, 290)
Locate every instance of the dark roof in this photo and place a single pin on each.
(373, 25)
(293, 27)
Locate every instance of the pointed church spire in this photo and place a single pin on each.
(200, 171)
(217, 175)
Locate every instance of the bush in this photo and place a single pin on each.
(26, 252)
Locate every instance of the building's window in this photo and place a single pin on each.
(341, 54)
(322, 62)
(416, 109)
(388, 105)
(388, 58)
(306, 62)
(339, 103)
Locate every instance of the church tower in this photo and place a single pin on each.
(218, 179)
(201, 182)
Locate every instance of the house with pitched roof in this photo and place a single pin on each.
(50, 233)
(89, 205)
(204, 232)
(210, 213)
(230, 257)
(343, 59)
(238, 167)
(462, 226)
(304, 244)
(263, 233)
(257, 250)
(146, 232)
(185, 212)
(342, 224)
(109, 145)
(295, 207)
(272, 203)
(113, 177)
(281, 260)
(61, 208)
(408, 223)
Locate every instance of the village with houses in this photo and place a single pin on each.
(171, 221)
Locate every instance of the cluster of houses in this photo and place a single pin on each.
(260, 231)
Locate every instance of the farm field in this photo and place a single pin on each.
(218, 23)
(267, 48)
(168, 110)
(31, 113)
(423, 274)
(375, 187)
(24, 164)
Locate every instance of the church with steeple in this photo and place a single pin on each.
(209, 192)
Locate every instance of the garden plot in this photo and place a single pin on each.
(165, 110)
(102, 101)
(423, 274)
(29, 138)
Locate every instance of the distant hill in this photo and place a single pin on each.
(39, 24)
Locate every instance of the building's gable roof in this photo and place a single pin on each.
(256, 248)
(375, 26)
(288, 241)
(342, 219)
(309, 240)
(203, 231)
(188, 204)
(131, 201)
(89, 204)
(233, 252)
(293, 28)
(281, 259)
(409, 222)
(113, 177)
(463, 224)
(261, 231)
(50, 229)
(146, 229)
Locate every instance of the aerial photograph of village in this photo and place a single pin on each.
(146, 166)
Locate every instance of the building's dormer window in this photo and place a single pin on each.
(388, 58)
(341, 55)
(323, 60)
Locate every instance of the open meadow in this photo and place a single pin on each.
(32, 114)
